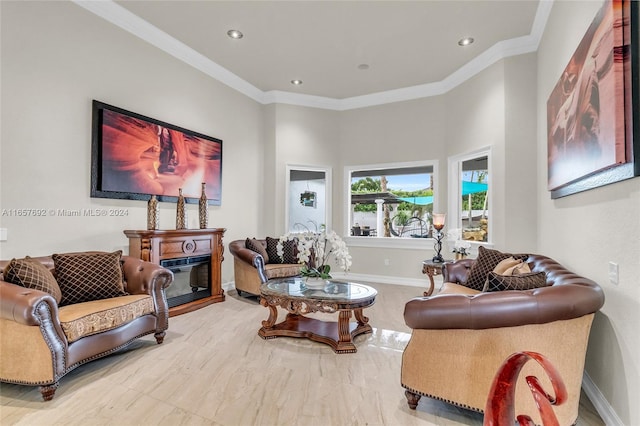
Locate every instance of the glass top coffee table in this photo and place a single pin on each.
(293, 295)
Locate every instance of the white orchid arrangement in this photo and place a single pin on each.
(460, 246)
(314, 251)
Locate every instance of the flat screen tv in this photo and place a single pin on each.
(134, 157)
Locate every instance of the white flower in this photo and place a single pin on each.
(315, 249)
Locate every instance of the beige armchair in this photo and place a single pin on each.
(461, 337)
(41, 341)
(251, 270)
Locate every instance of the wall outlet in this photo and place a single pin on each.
(386, 262)
(613, 272)
(3, 234)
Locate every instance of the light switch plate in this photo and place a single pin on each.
(613, 272)
(3, 234)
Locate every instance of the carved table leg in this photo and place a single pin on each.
(362, 320)
(412, 399)
(344, 333)
(269, 322)
(432, 285)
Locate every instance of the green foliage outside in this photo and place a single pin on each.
(477, 201)
(369, 185)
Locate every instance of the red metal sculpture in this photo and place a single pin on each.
(500, 408)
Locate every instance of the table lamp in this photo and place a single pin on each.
(438, 224)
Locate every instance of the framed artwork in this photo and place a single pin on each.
(592, 133)
(134, 157)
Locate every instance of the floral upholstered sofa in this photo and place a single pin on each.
(59, 312)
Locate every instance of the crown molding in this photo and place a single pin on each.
(121, 17)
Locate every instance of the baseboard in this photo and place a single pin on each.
(600, 403)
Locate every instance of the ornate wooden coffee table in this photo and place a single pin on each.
(293, 295)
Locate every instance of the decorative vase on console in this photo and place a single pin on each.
(153, 213)
(180, 212)
(203, 208)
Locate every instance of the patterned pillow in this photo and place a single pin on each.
(32, 274)
(255, 245)
(89, 276)
(496, 282)
(290, 254)
(272, 250)
(289, 248)
(487, 260)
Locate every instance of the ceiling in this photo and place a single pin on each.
(406, 44)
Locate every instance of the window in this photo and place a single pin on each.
(391, 201)
(469, 200)
(308, 206)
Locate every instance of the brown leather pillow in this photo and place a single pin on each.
(255, 245)
(30, 273)
(83, 277)
(487, 260)
(497, 282)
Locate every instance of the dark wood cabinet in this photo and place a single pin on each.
(180, 250)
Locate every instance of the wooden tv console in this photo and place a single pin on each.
(158, 245)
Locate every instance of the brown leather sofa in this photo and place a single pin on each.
(461, 337)
(34, 347)
(251, 271)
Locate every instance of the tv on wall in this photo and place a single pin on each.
(134, 157)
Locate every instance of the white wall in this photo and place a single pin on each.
(399, 132)
(302, 137)
(469, 117)
(587, 230)
(56, 58)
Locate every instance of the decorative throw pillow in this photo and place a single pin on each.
(486, 261)
(506, 265)
(496, 282)
(255, 245)
(89, 276)
(32, 274)
(289, 248)
(519, 269)
(272, 250)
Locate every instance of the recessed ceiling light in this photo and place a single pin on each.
(465, 41)
(235, 34)
(363, 66)
(296, 82)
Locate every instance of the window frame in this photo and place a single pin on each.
(404, 243)
(454, 216)
(328, 191)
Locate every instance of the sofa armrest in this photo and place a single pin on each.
(239, 251)
(24, 305)
(148, 278)
(457, 272)
(145, 277)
